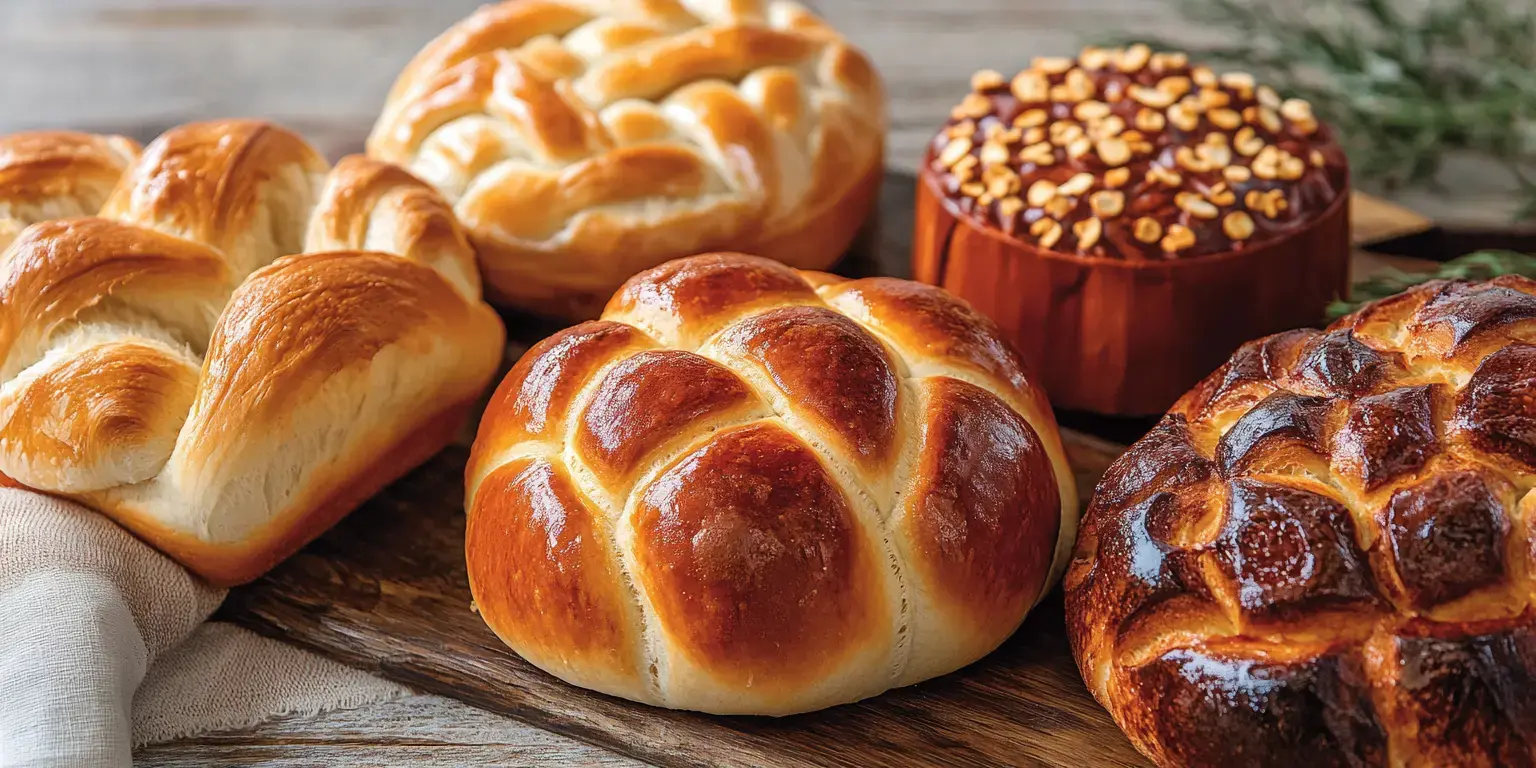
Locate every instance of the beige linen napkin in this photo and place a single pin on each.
(103, 647)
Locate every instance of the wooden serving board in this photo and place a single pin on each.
(386, 591)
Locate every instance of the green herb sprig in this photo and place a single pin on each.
(1404, 86)
(1481, 265)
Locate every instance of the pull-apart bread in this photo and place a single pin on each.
(222, 342)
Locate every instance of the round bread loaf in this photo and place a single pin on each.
(1131, 217)
(584, 142)
(749, 489)
(1323, 554)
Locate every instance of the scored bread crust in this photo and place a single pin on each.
(582, 142)
(223, 343)
(749, 489)
(1323, 554)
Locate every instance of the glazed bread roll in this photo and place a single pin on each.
(1324, 555)
(749, 489)
(582, 142)
(165, 360)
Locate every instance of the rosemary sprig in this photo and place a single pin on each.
(1480, 265)
(1403, 87)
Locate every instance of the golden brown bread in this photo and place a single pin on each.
(749, 489)
(168, 362)
(1323, 555)
(581, 144)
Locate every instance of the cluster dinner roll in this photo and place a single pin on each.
(221, 341)
(750, 489)
(582, 141)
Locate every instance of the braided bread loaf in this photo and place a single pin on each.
(161, 363)
(749, 489)
(1324, 554)
(584, 141)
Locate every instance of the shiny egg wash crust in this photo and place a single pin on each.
(1324, 554)
(749, 489)
(1130, 154)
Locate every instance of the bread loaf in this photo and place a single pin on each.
(754, 490)
(1323, 554)
(583, 142)
(165, 359)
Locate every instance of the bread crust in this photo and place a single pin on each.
(753, 490)
(225, 350)
(1323, 553)
(582, 146)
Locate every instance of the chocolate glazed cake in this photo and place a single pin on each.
(1130, 219)
(1324, 555)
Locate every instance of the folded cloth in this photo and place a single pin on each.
(87, 610)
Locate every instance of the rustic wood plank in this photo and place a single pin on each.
(418, 730)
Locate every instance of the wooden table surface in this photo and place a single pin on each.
(322, 66)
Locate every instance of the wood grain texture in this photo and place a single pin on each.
(423, 730)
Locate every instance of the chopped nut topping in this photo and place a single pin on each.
(1091, 110)
(1183, 118)
(1009, 207)
(1225, 119)
(1030, 118)
(1093, 58)
(1039, 154)
(1064, 133)
(1107, 203)
(1237, 225)
(987, 79)
(1114, 152)
(972, 106)
(1052, 65)
(1059, 207)
(1247, 142)
(1238, 81)
(966, 128)
(1169, 147)
(1162, 175)
(1221, 194)
(1076, 185)
(1041, 193)
(1134, 58)
(1149, 121)
(1029, 86)
(955, 150)
(1171, 60)
(1175, 86)
(966, 168)
(1151, 97)
(1147, 230)
(1088, 232)
(1270, 120)
(1178, 238)
(1196, 206)
(1048, 230)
